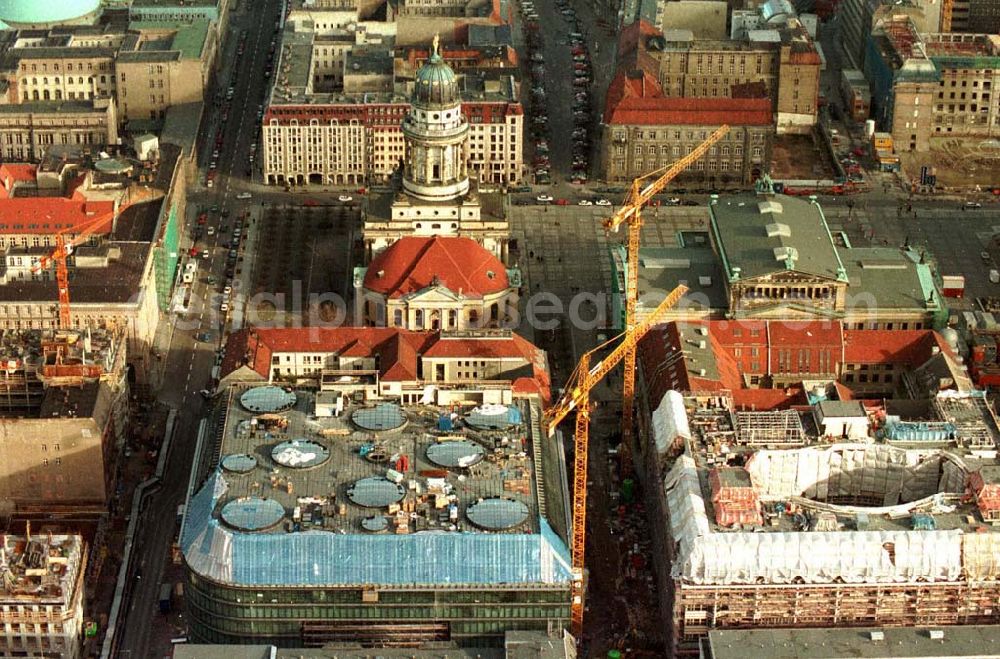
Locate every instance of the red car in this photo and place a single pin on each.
(193, 252)
(203, 218)
(562, 202)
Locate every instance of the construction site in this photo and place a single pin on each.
(325, 518)
(41, 595)
(63, 419)
(827, 515)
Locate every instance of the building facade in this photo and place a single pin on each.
(436, 283)
(145, 67)
(358, 143)
(779, 63)
(773, 257)
(41, 605)
(642, 131)
(27, 130)
(62, 423)
(933, 87)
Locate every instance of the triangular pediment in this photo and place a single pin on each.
(788, 277)
(435, 294)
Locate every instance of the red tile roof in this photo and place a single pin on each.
(632, 36)
(13, 173)
(49, 215)
(811, 349)
(635, 99)
(913, 347)
(399, 351)
(413, 263)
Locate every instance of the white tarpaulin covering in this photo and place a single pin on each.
(670, 421)
(705, 556)
(688, 518)
(818, 557)
(845, 470)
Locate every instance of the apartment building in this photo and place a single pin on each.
(780, 61)
(42, 603)
(28, 129)
(979, 16)
(145, 66)
(934, 86)
(643, 130)
(352, 135)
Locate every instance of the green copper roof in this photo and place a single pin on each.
(436, 83)
(49, 11)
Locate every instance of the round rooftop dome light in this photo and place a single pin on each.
(18, 13)
(458, 454)
(493, 417)
(239, 463)
(300, 454)
(387, 416)
(375, 492)
(497, 514)
(267, 399)
(252, 513)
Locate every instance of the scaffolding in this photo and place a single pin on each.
(781, 428)
(974, 419)
(697, 609)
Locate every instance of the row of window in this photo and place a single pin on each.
(676, 149)
(103, 66)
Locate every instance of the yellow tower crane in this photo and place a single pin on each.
(629, 213)
(576, 396)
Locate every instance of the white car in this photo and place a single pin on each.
(210, 231)
(585, 202)
(543, 199)
(227, 291)
(345, 198)
(602, 202)
(244, 195)
(674, 201)
(224, 307)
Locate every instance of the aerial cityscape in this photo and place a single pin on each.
(499, 329)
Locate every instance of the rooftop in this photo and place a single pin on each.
(187, 37)
(855, 643)
(662, 269)
(893, 514)
(412, 264)
(757, 235)
(41, 570)
(300, 494)
(517, 645)
(637, 99)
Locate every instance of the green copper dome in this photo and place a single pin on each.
(436, 82)
(34, 12)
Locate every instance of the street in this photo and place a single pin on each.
(189, 361)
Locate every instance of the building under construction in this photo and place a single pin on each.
(41, 595)
(320, 518)
(63, 418)
(772, 528)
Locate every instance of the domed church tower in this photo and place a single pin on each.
(435, 132)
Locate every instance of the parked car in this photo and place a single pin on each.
(602, 202)
(544, 199)
(244, 195)
(585, 202)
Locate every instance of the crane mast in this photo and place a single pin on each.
(631, 214)
(576, 396)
